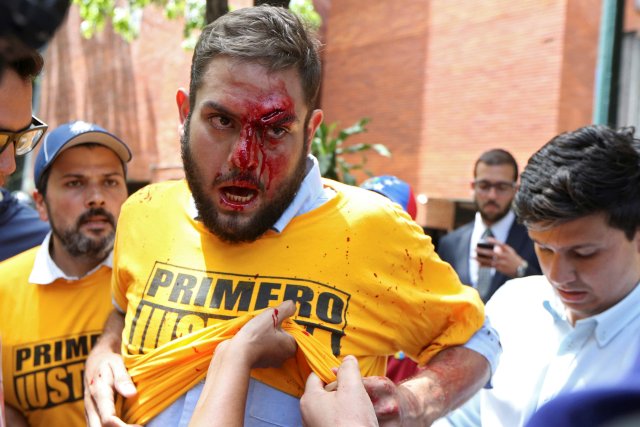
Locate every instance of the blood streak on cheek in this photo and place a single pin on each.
(274, 165)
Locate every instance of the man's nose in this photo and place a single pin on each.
(559, 270)
(493, 191)
(95, 196)
(245, 151)
(7, 162)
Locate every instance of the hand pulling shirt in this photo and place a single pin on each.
(363, 274)
(48, 325)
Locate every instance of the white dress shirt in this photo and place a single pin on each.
(544, 355)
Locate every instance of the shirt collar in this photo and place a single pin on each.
(500, 229)
(310, 195)
(502, 226)
(45, 271)
(609, 323)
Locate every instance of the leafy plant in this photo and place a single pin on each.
(330, 151)
(126, 16)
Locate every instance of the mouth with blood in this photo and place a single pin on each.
(239, 191)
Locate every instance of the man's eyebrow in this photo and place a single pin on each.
(84, 175)
(572, 248)
(278, 121)
(279, 117)
(19, 130)
(212, 105)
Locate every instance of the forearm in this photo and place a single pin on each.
(224, 393)
(449, 380)
(14, 418)
(111, 337)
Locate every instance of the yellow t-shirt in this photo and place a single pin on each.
(365, 278)
(47, 332)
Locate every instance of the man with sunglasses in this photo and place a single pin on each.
(494, 247)
(20, 132)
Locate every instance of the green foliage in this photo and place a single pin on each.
(330, 151)
(304, 9)
(126, 19)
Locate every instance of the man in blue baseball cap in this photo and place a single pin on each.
(55, 298)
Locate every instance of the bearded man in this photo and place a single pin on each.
(494, 247)
(55, 298)
(254, 225)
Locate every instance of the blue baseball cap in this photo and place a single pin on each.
(73, 134)
(395, 189)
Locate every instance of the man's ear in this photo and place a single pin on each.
(472, 188)
(182, 99)
(38, 199)
(314, 121)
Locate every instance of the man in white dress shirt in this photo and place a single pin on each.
(575, 327)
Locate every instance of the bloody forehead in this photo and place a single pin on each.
(261, 106)
(271, 110)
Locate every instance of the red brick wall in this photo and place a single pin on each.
(127, 88)
(579, 64)
(442, 81)
(445, 80)
(375, 58)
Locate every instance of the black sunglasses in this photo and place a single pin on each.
(24, 140)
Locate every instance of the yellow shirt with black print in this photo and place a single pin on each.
(47, 332)
(365, 278)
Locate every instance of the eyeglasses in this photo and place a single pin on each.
(483, 186)
(24, 140)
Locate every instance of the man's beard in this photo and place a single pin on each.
(79, 245)
(493, 218)
(231, 228)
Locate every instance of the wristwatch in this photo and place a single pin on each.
(522, 269)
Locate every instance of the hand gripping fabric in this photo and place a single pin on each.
(169, 371)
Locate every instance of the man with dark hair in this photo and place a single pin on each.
(54, 298)
(494, 247)
(254, 225)
(20, 132)
(577, 326)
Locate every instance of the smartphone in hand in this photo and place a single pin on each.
(486, 245)
(485, 259)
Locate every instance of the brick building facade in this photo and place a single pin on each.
(441, 80)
